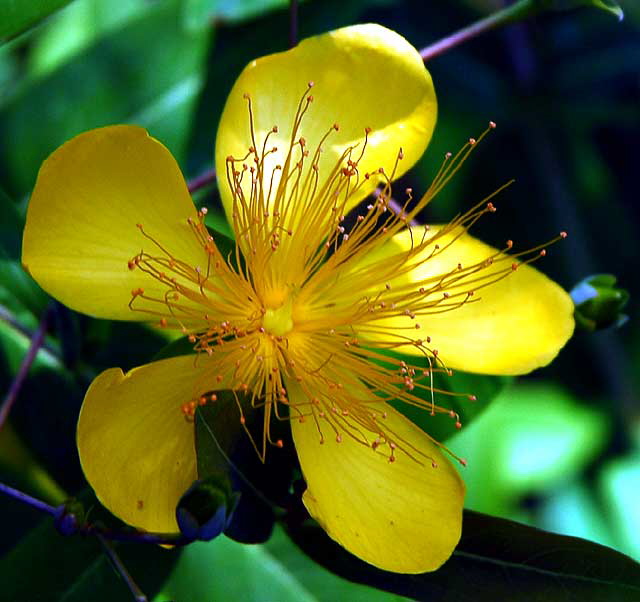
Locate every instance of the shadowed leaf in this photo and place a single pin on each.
(496, 559)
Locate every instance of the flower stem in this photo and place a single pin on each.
(518, 11)
(203, 180)
(119, 567)
(8, 318)
(169, 539)
(27, 499)
(293, 23)
(36, 342)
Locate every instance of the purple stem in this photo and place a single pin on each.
(27, 499)
(9, 318)
(136, 536)
(293, 23)
(36, 342)
(517, 11)
(132, 536)
(201, 181)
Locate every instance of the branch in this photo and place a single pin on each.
(516, 12)
(36, 342)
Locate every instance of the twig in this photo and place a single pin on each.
(293, 23)
(169, 539)
(516, 12)
(173, 539)
(36, 342)
(7, 317)
(119, 567)
(29, 500)
(204, 179)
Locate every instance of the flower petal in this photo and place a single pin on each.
(365, 76)
(512, 326)
(401, 516)
(136, 448)
(81, 222)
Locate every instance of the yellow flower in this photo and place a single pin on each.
(306, 311)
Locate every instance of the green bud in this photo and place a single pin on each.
(598, 302)
(205, 509)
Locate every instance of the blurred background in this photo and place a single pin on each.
(558, 449)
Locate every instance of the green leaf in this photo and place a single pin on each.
(47, 567)
(157, 62)
(75, 28)
(574, 510)
(17, 289)
(11, 226)
(276, 570)
(619, 483)
(496, 559)
(181, 346)
(218, 431)
(217, 221)
(466, 395)
(18, 15)
(199, 13)
(533, 437)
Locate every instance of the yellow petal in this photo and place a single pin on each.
(512, 326)
(364, 76)
(136, 448)
(401, 516)
(81, 222)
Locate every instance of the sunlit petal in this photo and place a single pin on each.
(365, 76)
(81, 224)
(402, 516)
(511, 326)
(136, 448)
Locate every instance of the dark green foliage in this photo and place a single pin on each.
(496, 559)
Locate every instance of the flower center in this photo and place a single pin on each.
(279, 320)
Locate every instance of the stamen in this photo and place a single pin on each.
(295, 321)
